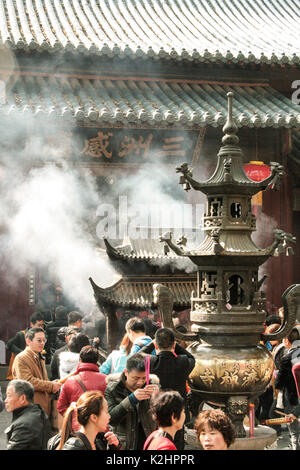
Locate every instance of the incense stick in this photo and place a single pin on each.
(280, 413)
(147, 368)
(284, 414)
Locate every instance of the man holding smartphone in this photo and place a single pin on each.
(128, 403)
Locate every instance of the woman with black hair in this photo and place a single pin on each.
(92, 414)
(167, 409)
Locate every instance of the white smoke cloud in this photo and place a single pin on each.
(265, 226)
(156, 200)
(263, 237)
(45, 212)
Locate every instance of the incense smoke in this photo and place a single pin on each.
(50, 208)
(46, 228)
(47, 205)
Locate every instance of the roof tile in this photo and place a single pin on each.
(150, 102)
(194, 30)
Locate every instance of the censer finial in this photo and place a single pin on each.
(230, 128)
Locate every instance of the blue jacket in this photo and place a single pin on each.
(140, 343)
(115, 362)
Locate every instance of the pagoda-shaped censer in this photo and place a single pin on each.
(227, 312)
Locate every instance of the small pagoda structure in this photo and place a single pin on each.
(142, 263)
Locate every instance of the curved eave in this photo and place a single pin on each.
(140, 295)
(129, 255)
(113, 252)
(102, 290)
(239, 31)
(136, 257)
(141, 102)
(234, 251)
(228, 259)
(231, 188)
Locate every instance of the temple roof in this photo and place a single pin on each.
(294, 154)
(137, 292)
(139, 249)
(144, 101)
(246, 31)
(146, 255)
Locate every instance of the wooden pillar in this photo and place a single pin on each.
(112, 328)
(278, 206)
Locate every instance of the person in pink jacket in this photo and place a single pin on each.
(86, 377)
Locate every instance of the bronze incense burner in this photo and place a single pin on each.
(228, 310)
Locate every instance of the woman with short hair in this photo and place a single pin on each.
(167, 409)
(214, 430)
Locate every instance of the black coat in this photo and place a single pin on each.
(51, 332)
(30, 429)
(172, 371)
(285, 379)
(125, 416)
(80, 442)
(17, 344)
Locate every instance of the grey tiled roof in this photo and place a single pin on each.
(138, 292)
(140, 249)
(145, 101)
(295, 150)
(248, 31)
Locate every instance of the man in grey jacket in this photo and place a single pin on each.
(128, 403)
(30, 427)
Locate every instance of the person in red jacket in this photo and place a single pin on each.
(167, 408)
(86, 377)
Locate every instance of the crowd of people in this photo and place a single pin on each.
(134, 399)
(281, 398)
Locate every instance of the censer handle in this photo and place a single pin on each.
(290, 302)
(163, 297)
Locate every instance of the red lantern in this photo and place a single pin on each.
(257, 171)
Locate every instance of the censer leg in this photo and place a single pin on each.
(194, 404)
(236, 409)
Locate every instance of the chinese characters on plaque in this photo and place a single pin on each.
(123, 145)
(97, 147)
